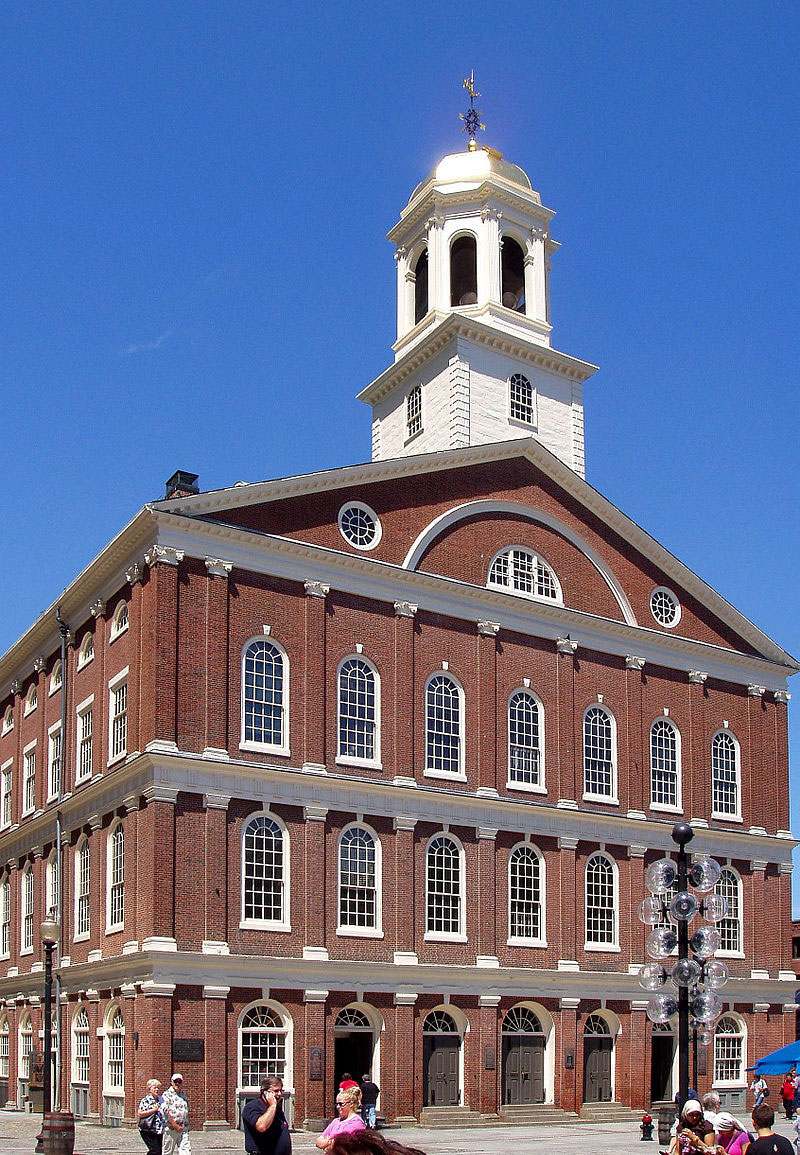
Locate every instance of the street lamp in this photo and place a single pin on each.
(691, 982)
(49, 932)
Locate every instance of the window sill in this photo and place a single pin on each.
(445, 775)
(535, 942)
(263, 748)
(526, 787)
(361, 763)
(254, 924)
(602, 948)
(440, 936)
(359, 932)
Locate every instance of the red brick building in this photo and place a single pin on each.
(362, 769)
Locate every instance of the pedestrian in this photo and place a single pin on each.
(369, 1099)
(150, 1117)
(766, 1141)
(348, 1118)
(266, 1131)
(760, 1089)
(176, 1119)
(787, 1092)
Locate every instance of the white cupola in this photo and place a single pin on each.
(473, 358)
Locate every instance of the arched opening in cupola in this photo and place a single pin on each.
(464, 271)
(421, 287)
(513, 272)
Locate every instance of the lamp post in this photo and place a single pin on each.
(49, 932)
(695, 980)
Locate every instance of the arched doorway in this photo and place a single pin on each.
(598, 1047)
(353, 1044)
(523, 1058)
(662, 1060)
(441, 1057)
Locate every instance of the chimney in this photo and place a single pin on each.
(182, 484)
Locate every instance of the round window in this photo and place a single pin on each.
(665, 607)
(359, 525)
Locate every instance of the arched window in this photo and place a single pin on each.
(264, 872)
(513, 275)
(80, 1047)
(729, 885)
(262, 1047)
(464, 271)
(56, 677)
(443, 726)
(599, 754)
(524, 572)
(358, 711)
(443, 888)
(4, 1046)
(26, 895)
(264, 684)
(521, 399)
(725, 776)
(413, 412)
(25, 1042)
(730, 1050)
(601, 902)
(119, 622)
(5, 917)
(359, 905)
(114, 1052)
(86, 652)
(525, 895)
(525, 740)
(665, 781)
(421, 286)
(82, 888)
(115, 878)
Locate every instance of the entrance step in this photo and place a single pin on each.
(533, 1113)
(449, 1117)
(609, 1113)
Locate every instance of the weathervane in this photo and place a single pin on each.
(472, 118)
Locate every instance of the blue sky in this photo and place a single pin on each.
(193, 203)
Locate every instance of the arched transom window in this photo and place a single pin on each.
(729, 1050)
(601, 902)
(524, 739)
(443, 726)
(358, 895)
(444, 887)
(599, 754)
(263, 691)
(263, 871)
(263, 1047)
(664, 765)
(725, 775)
(523, 571)
(358, 711)
(525, 914)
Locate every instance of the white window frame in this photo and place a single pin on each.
(5, 916)
(522, 422)
(86, 707)
(7, 794)
(27, 908)
(77, 1057)
(55, 741)
(611, 799)
(111, 1089)
(114, 881)
(442, 935)
(512, 783)
(741, 1081)
(663, 806)
(120, 621)
(417, 417)
(350, 759)
(114, 686)
(28, 773)
(723, 952)
(589, 945)
(82, 889)
(509, 588)
(447, 775)
(281, 747)
(85, 654)
(523, 940)
(723, 815)
(348, 930)
(8, 721)
(31, 699)
(283, 924)
(56, 679)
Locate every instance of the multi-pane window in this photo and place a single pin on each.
(724, 775)
(54, 763)
(521, 399)
(263, 871)
(414, 412)
(598, 753)
(85, 721)
(263, 691)
(263, 1050)
(26, 883)
(729, 1051)
(82, 888)
(730, 927)
(443, 887)
(4, 1048)
(80, 1047)
(664, 765)
(524, 739)
(357, 710)
(118, 727)
(443, 740)
(115, 1051)
(29, 781)
(5, 917)
(525, 894)
(116, 878)
(524, 572)
(358, 894)
(601, 903)
(6, 787)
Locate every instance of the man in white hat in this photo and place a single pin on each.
(176, 1115)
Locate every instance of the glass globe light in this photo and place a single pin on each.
(706, 1007)
(714, 907)
(705, 941)
(704, 873)
(705, 1037)
(684, 906)
(715, 975)
(651, 911)
(661, 1008)
(660, 876)
(652, 976)
(661, 942)
(685, 972)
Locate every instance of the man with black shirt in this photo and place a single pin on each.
(266, 1131)
(767, 1142)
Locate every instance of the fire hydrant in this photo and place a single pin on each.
(646, 1127)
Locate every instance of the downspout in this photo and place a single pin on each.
(64, 632)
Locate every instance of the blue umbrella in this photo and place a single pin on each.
(779, 1062)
